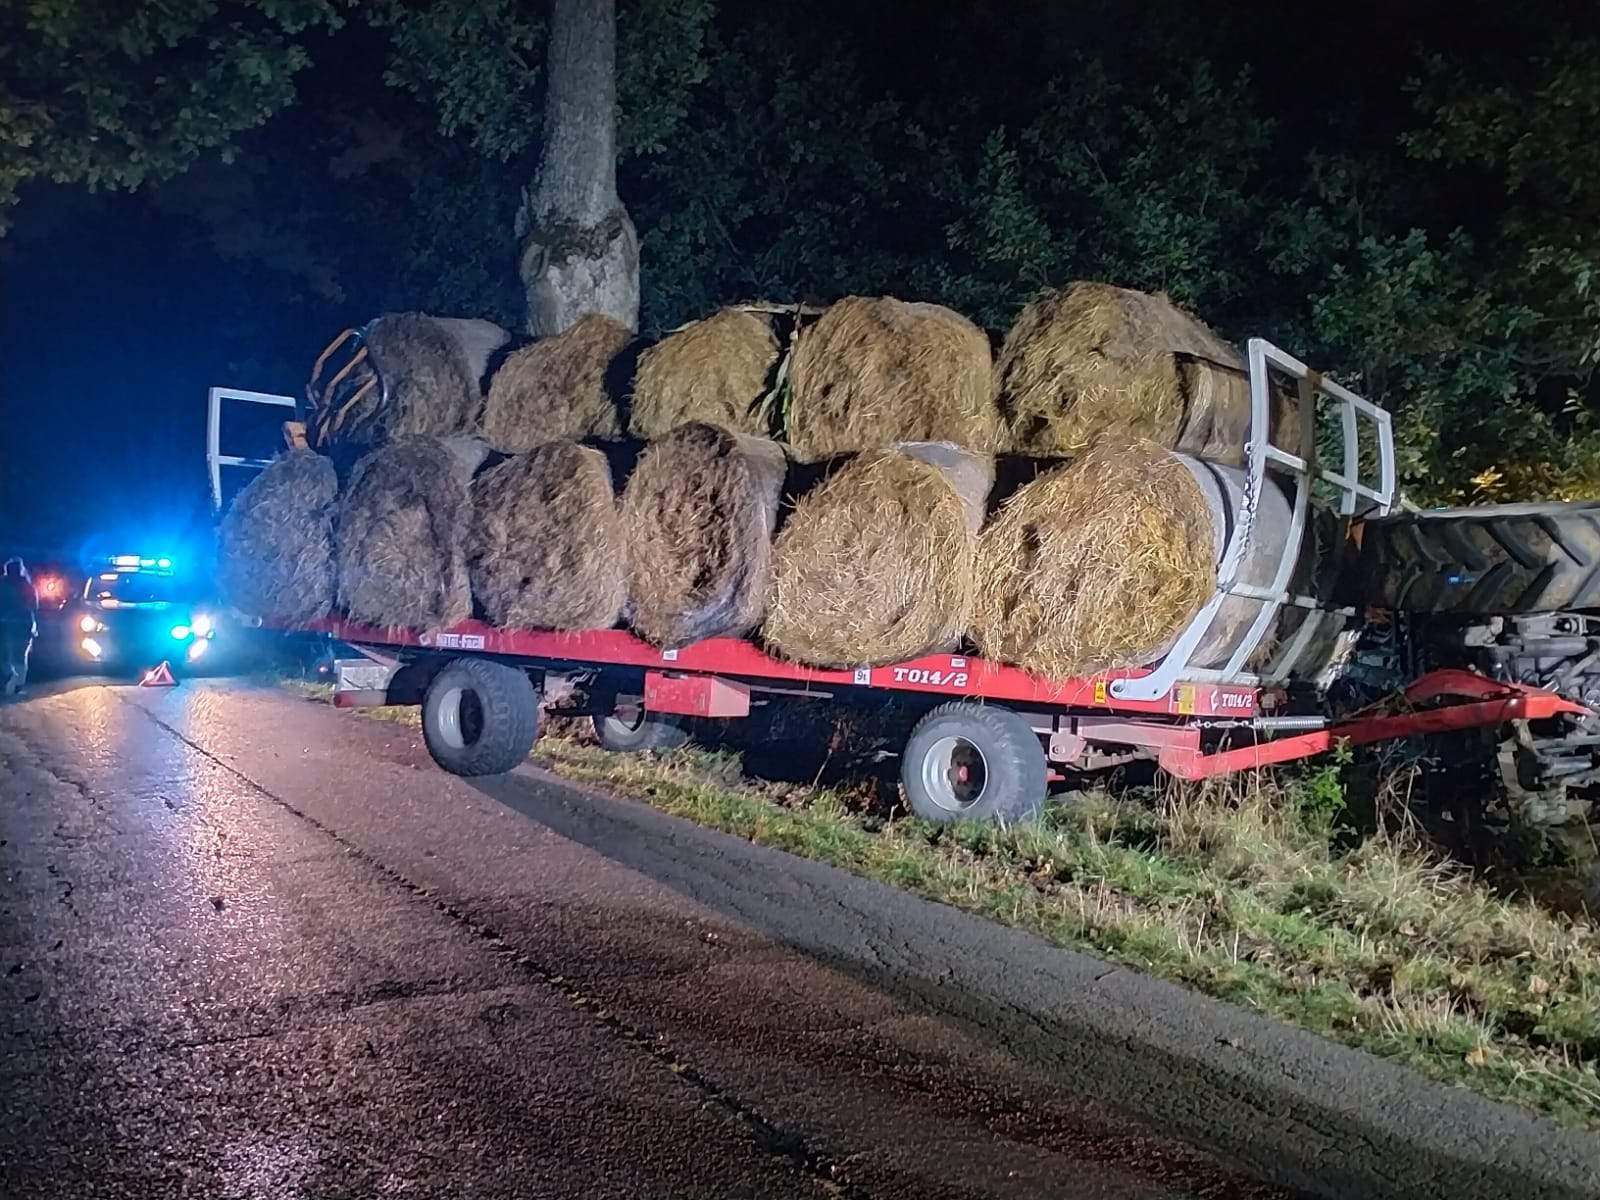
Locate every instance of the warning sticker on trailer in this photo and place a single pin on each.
(1185, 699)
(1100, 692)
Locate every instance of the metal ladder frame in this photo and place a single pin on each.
(1263, 457)
(215, 459)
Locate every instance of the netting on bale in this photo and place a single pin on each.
(277, 541)
(699, 511)
(546, 549)
(876, 565)
(402, 530)
(1095, 565)
(564, 386)
(873, 372)
(716, 370)
(1093, 361)
(415, 375)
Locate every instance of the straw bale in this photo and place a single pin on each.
(546, 549)
(277, 541)
(699, 511)
(558, 387)
(401, 534)
(1095, 565)
(479, 341)
(429, 380)
(716, 370)
(872, 372)
(1094, 361)
(876, 565)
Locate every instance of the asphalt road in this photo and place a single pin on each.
(252, 947)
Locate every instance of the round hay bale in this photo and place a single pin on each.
(546, 548)
(401, 534)
(715, 370)
(1095, 565)
(699, 511)
(478, 340)
(873, 372)
(557, 387)
(1094, 361)
(277, 541)
(876, 565)
(428, 380)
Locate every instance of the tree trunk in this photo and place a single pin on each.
(580, 253)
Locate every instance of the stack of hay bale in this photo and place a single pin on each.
(822, 479)
(867, 507)
(448, 473)
(370, 517)
(1105, 556)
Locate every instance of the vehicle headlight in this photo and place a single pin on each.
(180, 633)
(92, 648)
(89, 625)
(201, 625)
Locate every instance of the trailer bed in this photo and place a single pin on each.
(957, 676)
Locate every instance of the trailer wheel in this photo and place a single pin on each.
(629, 730)
(974, 762)
(480, 717)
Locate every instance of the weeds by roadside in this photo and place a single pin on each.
(1245, 891)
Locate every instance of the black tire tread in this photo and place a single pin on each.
(510, 706)
(655, 732)
(1016, 758)
(1496, 559)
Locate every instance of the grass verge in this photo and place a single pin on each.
(1243, 892)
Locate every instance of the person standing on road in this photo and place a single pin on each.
(18, 605)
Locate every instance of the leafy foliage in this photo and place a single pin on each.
(113, 96)
(1425, 231)
(479, 64)
(476, 63)
(776, 196)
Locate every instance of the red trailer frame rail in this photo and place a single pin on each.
(1080, 718)
(1479, 703)
(955, 675)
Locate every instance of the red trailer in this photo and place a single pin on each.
(1270, 670)
(987, 746)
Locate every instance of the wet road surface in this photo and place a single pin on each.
(252, 947)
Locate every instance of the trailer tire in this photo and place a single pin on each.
(974, 762)
(650, 731)
(1502, 558)
(480, 717)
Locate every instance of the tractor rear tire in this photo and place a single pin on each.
(1503, 558)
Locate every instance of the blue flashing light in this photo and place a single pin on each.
(180, 633)
(164, 564)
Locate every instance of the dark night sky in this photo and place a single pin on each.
(115, 317)
(108, 344)
(117, 313)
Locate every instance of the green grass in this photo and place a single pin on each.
(1241, 892)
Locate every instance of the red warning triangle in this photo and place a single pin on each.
(159, 676)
